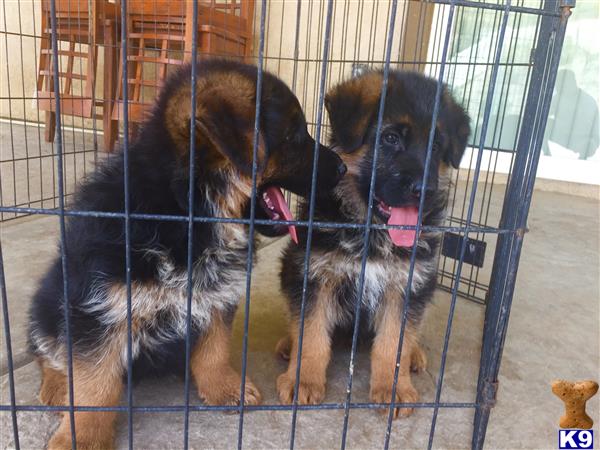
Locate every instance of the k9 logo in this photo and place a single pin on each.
(569, 439)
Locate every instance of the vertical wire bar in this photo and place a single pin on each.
(506, 260)
(311, 212)
(24, 102)
(484, 127)
(434, 116)
(466, 191)
(344, 39)
(10, 115)
(295, 65)
(9, 354)
(250, 259)
(190, 246)
(367, 232)
(402, 38)
(39, 133)
(306, 70)
(466, 100)
(58, 143)
(318, 45)
(332, 33)
(456, 41)
(282, 20)
(94, 118)
(296, 46)
(472, 285)
(127, 223)
(70, 69)
(498, 131)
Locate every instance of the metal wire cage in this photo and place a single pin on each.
(499, 57)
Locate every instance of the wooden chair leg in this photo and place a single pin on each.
(50, 124)
(111, 64)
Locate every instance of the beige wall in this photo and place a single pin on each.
(358, 34)
(19, 53)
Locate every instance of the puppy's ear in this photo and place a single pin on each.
(351, 107)
(456, 124)
(229, 128)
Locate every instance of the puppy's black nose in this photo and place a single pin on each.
(416, 189)
(342, 169)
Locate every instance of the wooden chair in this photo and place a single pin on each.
(79, 23)
(159, 37)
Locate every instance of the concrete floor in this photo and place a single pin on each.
(28, 168)
(553, 333)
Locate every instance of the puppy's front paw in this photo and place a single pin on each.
(405, 393)
(310, 392)
(224, 389)
(62, 441)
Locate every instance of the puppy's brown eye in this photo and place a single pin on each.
(391, 138)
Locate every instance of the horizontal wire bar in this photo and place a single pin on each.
(52, 155)
(464, 294)
(204, 408)
(467, 281)
(300, 223)
(343, 61)
(496, 7)
(462, 3)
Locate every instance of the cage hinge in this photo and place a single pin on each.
(565, 9)
(567, 3)
(521, 232)
(490, 390)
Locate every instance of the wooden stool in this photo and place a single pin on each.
(159, 36)
(79, 22)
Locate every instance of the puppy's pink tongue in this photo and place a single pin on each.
(403, 216)
(281, 206)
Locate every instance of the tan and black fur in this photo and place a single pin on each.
(335, 259)
(159, 178)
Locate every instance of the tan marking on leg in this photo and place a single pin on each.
(383, 356)
(95, 383)
(316, 353)
(54, 385)
(283, 347)
(218, 383)
(418, 359)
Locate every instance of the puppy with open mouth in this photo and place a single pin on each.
(159, 170)
(335, 259)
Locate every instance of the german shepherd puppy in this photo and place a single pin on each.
(335, 259)
(159, 178)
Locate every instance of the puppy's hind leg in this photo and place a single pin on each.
(53, 389)
(218, 383)
(96, 382)
(418, 359)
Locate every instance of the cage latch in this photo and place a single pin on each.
(565, 9)
(490, 389)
